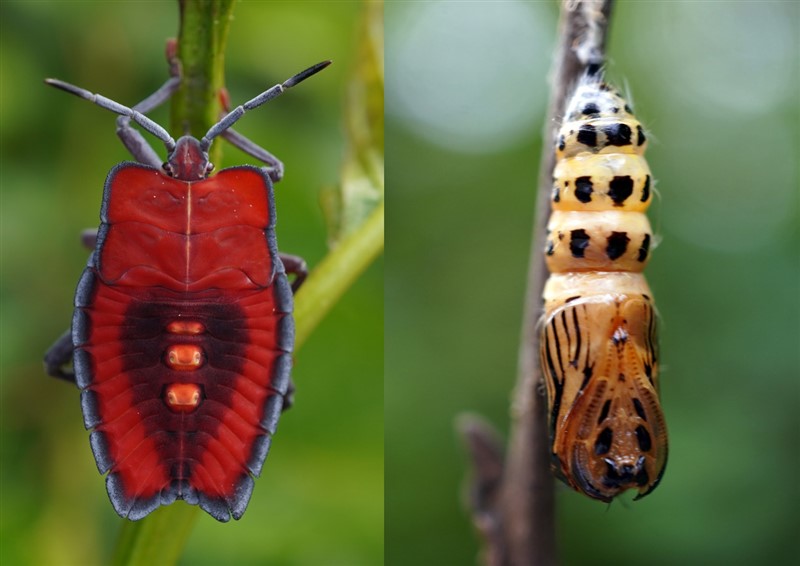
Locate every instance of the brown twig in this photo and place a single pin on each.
(512, 502)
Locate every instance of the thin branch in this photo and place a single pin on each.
(517, 516)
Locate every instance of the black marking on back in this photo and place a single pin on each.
(578, 242)
(583, 189)
(644, 248)
(617, 245)
(591, 109)
(587, 135)
(618, 134)
(620, 188)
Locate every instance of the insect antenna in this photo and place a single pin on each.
(117, 108)
(262, 98)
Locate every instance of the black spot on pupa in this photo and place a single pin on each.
(603, 443)
(648, 371)
(583, 189)
(587, 135)
(618, 134)
(617, 245)
(578, 242)
(604, 411)
(644, 248)
(570, 299)
(628, 109)
(587, 375)
(643, 437)
(551, 249)
(556, 194)
(561, 143)
(560, 236)
(620, 188)
(642, 478)
(646, 188)
(614, 110)
(640, 135)
(637, 406)
(590, 109)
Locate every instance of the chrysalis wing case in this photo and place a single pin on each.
(182, 333)
(599, 350)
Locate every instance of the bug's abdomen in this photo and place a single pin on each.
(183, 338)
(598, 340)
(600, 193)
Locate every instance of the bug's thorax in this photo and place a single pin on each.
(188, 161)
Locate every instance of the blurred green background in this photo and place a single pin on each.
(717, 84)
(320, 497)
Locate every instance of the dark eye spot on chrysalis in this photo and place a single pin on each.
(640, 135)
(620, 188)
(551, 249)
(562, 143)
(556, 194)
(618, 134)
(604, 411)
(637, 406)
(578, 242)
(583, 189)
(617, 245)
(643, 437)
(644, 248)
(642, 478)
(628, 109)
(646, 188)
(587, 135)
(603, 443)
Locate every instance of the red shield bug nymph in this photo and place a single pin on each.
(182, 333)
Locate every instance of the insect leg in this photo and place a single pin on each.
(274, 166)
(89, 238)
(131, 138)
(59, 354)
(288, 399)
(295, 265)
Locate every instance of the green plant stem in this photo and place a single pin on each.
(201, 49)
(156, 539)
(336, 273)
